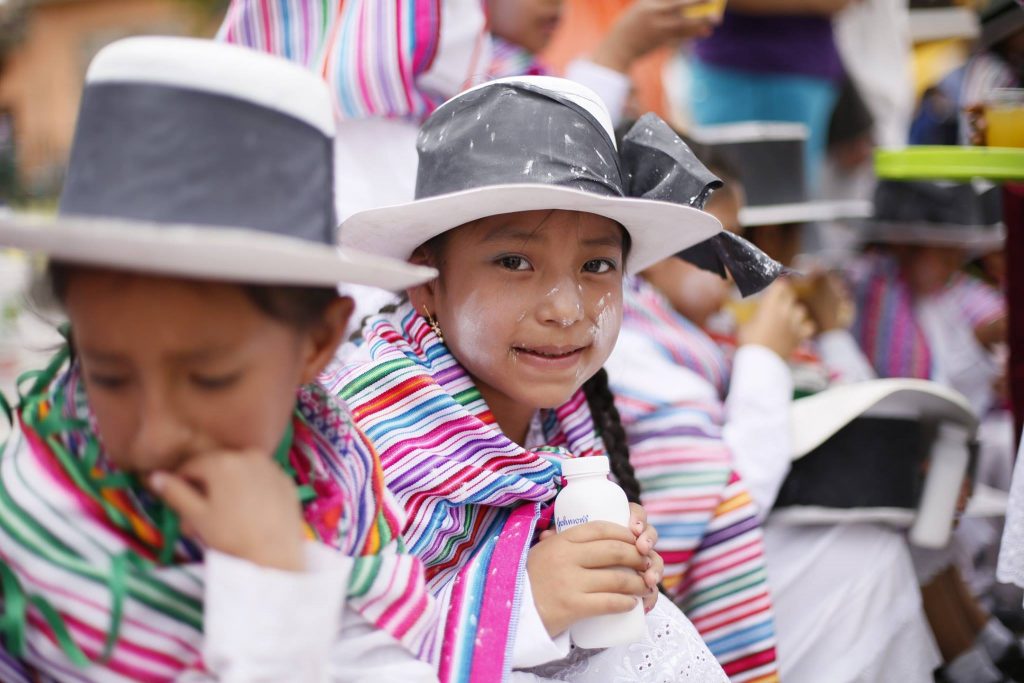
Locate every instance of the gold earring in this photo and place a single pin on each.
(432, 321)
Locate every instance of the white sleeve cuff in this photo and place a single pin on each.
(760, 376)
(842, 354)
(533, 646)
(611, 85)
(757, 427)
(264, 624)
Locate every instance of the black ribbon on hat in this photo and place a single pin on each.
(479, 139)
(683, 179)
(751, 268)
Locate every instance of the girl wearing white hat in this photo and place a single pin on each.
(179, 499)
(477, 389)
(694, 409)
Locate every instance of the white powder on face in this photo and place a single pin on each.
(604, 332)
(607, 324)
(474, 334)
(577, 312)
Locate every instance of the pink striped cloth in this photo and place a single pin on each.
(96, 588)
(381, 58)
(472, 496)
(707, 522)
(980, 303)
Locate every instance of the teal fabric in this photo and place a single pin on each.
(724, 95)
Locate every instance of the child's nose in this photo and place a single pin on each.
(562, 304)
(161, 440)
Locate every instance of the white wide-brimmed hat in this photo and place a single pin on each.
(203, 160)
(541, 143)
(887, 450)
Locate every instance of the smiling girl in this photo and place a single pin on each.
(179, 499)
(477, 388)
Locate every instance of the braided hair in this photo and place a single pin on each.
(609, 427)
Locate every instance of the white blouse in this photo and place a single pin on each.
(267, 625)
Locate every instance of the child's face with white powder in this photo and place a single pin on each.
(529, 303)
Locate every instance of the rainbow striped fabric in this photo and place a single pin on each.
(94, 585)
(885, 327)
(376, 56)
(473, 497)
(709, 534)
(509, 59)
(979, 302)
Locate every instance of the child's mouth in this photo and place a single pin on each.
(549, 356)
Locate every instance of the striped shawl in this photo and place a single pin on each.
(709, 535)
(375, 56)
(886, 327)
(473, 497)
(98, 586)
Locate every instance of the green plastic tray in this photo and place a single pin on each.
(950, 163)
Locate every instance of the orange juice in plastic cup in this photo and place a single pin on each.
(708, 9)
(742, 310)
(803, 287)
(1004, 116)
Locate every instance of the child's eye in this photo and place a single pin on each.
(212, 383)
(598, 265)
(108, 382)
(514, 263)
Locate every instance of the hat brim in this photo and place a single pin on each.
(656, 229)
(203, 252)
(800, 515)
(985, 502)
(978, 239)
(804, 212)
(816, 418)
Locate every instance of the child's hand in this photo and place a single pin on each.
(646, 539)
(828, 302)
(578, 574)
(647, 25)
(977, 125)
(993, 333)
(780, 323)
(240, 503)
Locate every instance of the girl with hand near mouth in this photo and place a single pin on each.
(179, 499)
(477, 388)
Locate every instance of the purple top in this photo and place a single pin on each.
(792, 44)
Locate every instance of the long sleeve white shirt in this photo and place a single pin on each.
(264, 625)
(757, 421)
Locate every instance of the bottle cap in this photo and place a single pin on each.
(593, 464)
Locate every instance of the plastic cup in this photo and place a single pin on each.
(710, 9)
(1004, 116)
(803, 287)
(742, 310)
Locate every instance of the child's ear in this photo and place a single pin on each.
(325, 337)
(422, 297)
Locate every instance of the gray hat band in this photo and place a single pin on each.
(143, 151)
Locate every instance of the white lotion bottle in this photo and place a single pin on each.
(589, 496)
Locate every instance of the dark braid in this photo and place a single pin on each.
(609, 428)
